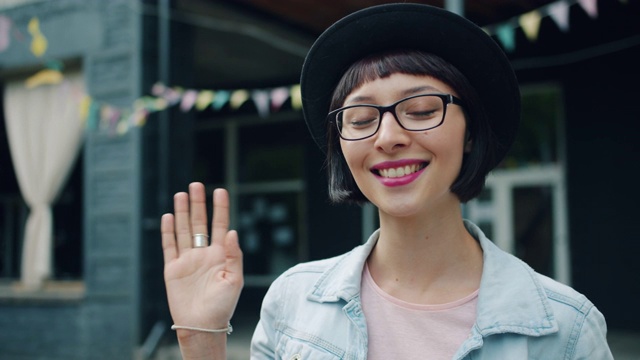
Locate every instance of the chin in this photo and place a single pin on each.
(398, 208)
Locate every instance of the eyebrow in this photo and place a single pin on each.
(405, 93)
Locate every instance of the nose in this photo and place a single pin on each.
(391, 136)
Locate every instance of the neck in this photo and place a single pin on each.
(430, 258)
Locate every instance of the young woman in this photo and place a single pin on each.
(413, 106)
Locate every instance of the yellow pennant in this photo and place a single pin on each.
(44, 77)
(39, 42)
(530, 23)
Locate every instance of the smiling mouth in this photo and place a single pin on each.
(400, 171)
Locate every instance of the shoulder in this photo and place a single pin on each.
(579, 321)
(573, 310)
(561, 295)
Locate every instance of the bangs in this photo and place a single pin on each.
(382, 65)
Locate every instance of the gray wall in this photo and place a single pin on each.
(103, 36)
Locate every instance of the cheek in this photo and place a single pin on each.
(350, 151)
(355, 154)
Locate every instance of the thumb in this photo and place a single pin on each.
(233, 254)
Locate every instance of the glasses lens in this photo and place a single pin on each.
(421, 113)
(358, 122)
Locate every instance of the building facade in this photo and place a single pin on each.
(564, 200)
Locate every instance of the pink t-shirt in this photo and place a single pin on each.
(401, 330)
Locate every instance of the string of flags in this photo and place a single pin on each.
(117, 120)
(99, 115)
(530, 22)
(103, 116)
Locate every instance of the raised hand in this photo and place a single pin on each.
(203, 284)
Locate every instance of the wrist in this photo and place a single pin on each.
(201, 345)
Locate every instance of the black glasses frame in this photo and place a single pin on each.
(446, 100)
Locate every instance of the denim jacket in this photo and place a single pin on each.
(313, 311)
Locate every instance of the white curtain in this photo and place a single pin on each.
(44, 130)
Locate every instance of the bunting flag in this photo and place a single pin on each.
(559, 12)
(530, 22)
(114, 120)
(507, 36)
(238, 98)
(5, 30)
(39, 41)
(261, 99)
(590, 7)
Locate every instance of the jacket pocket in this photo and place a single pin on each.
(297, 349)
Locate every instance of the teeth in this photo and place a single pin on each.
(400, 171)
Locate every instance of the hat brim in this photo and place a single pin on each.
(418, 27)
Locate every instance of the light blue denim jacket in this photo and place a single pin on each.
(313, 311)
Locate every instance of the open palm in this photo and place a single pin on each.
(203, 284)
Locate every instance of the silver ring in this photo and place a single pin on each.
(200, 240)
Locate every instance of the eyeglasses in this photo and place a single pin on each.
(415, 113)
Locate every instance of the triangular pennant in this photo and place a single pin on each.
(115, 117)
(5, 29)
(84, 105)
(222, 97)
(261, 99)
(92, 115)
(188, 100)
(39, 42)
(158, 89)
(44, 77)
(507, 37)
(590, 7)
(530, 23)
(140, 117)
(559, 12)
(238, 98)
(204, 99)
(159, 104)
(278, 97)
(296, 97)
(123, 122)
(105, 116)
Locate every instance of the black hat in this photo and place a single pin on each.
(412, 27)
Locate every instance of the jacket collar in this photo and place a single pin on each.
(511, 298)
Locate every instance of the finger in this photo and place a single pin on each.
(198, 209)
(169, 249)
(233, 255)
(220, 222)
(182, 226)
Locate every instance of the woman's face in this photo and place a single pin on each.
(403, 172)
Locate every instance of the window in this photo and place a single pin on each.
(66, 210)
(261, 163)
(523, 207)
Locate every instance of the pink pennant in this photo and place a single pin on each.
(5, 27)
(278, 97)
(188, 100)
(590, 7)
(559, 12)
(158, 89)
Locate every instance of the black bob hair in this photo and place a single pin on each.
(476, 163)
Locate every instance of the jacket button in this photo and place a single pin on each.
(296, 357)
